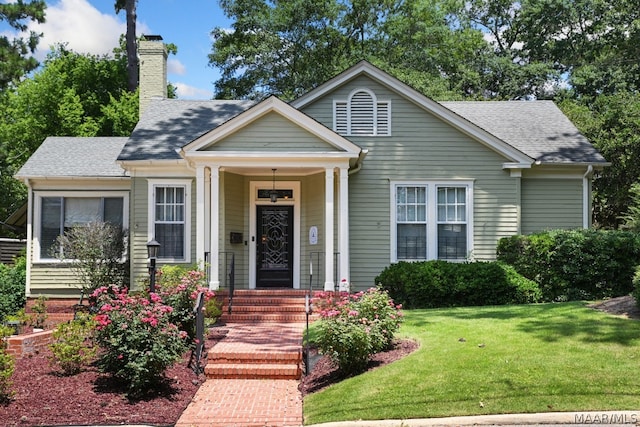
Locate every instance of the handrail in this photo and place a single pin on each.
(198, 311)
(232, 281)
(320, 255)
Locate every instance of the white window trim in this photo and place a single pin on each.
(375, 102)
(151, 209)
(432, 216)
(37, 214)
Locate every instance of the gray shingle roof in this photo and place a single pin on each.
(170, 124)
(537, 128)
(75, 156)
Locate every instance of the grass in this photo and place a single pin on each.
(514, 359)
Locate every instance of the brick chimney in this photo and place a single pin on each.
(152, 55)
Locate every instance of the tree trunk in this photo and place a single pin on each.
(132, 48)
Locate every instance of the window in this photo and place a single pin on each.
(169, 218)
(430, 220)
(58, 213)
(362, 114)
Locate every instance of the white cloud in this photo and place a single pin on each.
(189, 92)
(176, 67)
(82, 27)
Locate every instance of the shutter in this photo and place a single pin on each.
(340, 123)
(361, 114)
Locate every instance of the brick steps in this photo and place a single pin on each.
(265, 340)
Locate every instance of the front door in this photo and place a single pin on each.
(274, 254)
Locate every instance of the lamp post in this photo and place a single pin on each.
(152, 252)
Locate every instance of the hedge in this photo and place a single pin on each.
(431, 284)
(575, 264)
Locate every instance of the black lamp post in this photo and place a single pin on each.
(152, 252)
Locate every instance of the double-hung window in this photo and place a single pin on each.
(57, 213)
(169, 218)
(431, 220)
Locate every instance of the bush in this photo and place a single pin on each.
(72, 348)
(354, 326)
(179, 287)
(432, 284)
(575, 264)
(7, 366)
(137, 340)
(12, 287)
(636, 286)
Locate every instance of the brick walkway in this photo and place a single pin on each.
(241, 402)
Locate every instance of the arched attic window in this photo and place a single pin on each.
(362, 114)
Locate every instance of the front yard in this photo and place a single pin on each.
(492, 360)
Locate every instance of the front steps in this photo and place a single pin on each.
(259, 306)
(265, 336)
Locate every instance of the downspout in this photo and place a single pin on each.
(586, 193)
(29, 236)
(358, 166)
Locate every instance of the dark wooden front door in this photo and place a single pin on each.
(275, 246)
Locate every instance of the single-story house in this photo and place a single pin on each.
(361, 172)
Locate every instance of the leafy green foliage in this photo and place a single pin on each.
(138, 342)
(15, 61)
(179, 287)
(432, 284)
(72, 347)
(354, 326)
(632, 216)
(7, 366)
(39, 316)
(575, 264)
(636, 285)
(95, 253)
(12, 287)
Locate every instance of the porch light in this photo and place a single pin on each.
(152, 251)
(274, 194)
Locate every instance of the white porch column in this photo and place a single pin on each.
(329, 285)
(214, 279)
(343, 225)
(200, 216)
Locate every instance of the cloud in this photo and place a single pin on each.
(82, 27)
(176, 67)
(189, 92)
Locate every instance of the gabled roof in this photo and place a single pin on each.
(273, 104)
(59, 157)
(169, 124)
(523, 131)
(537, 128)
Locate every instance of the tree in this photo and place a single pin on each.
(130, 6)
(15, 59)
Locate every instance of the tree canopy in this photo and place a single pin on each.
(15, 52)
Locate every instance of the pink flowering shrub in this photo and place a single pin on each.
(179, 287)
(137, 339)
(354, 326)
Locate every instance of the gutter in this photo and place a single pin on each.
(586, 199)
(358, 166)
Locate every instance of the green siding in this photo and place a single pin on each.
(551, 204)
(235, 219)
(312, 206)
(421, 148)
(54, 280)
(272, 133)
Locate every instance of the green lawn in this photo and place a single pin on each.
(515, 359)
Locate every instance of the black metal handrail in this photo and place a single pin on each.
(230, 272)
(320, 256)
(198, 311)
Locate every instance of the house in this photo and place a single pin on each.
(361, 172)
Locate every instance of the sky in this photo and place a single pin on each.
(92, 26)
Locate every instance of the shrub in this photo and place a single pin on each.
(72, 348)
(431, 284)
(95, 253)
(39, 316)
(7, 366)
(575, 264)
(179, 287)
(354, 326)
(12, 287)
(137, 340)
(636, 285)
